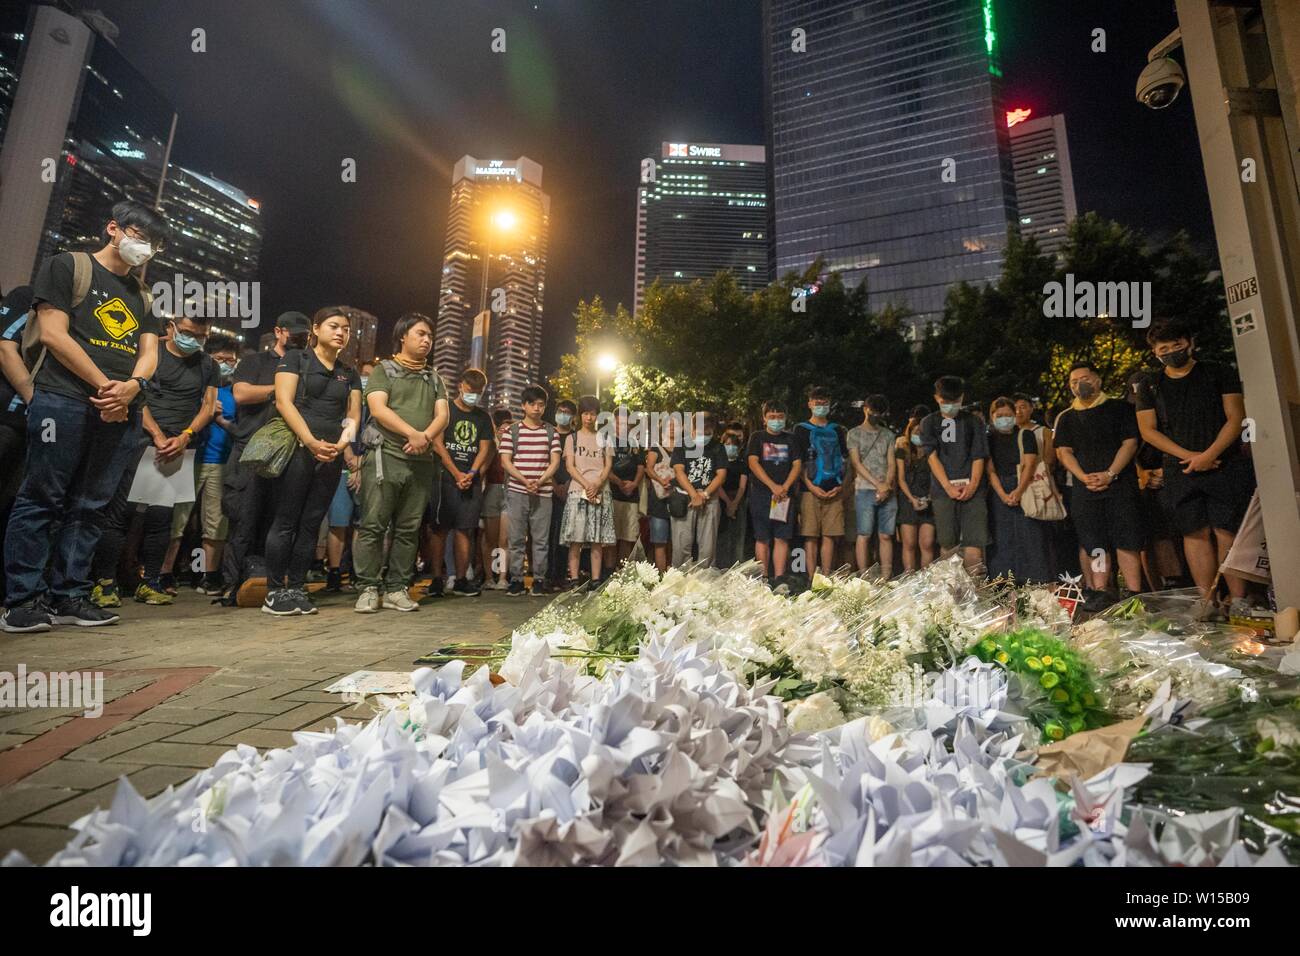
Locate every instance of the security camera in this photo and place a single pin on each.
(1162, 79)
(1160, 83)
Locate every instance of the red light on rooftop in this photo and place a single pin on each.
(1017, 116)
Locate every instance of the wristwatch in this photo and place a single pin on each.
(142, 382)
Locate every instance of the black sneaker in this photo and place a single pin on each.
(79, 612)
(463, 588)
(304, 602)
(1095, 601)
(281, 603)
(27, 618)
(539, 589)
(317, 572)
(210, 584)
(437, 587)
(334, 580)
(516, 589)
(167, 583)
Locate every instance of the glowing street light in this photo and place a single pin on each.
(605, 363)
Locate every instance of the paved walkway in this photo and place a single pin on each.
(184, 684)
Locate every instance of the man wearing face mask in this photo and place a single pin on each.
(249, 500)
(1193, 412)
(96, 344)
(1096, 439)
(179, 404)
(208, 471)
(566, 424)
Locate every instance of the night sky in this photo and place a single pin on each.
(288, 88)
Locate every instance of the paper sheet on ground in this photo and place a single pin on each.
(373, 682)
(166, 484)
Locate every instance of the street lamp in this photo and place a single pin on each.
(605, 363)
(503, 220)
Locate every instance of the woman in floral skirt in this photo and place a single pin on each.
(589, 507)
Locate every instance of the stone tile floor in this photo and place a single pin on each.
(185, 683)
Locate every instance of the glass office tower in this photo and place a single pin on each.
(888, 146)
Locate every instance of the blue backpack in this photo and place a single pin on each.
(828, 463)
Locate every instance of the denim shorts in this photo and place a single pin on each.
(343, 507)
(875, 517)
(661, 530)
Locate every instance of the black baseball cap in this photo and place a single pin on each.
(293, 322)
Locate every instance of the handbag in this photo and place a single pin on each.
(679, 505)
(270, 447)
(1041, 501)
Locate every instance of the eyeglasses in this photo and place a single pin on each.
(134, 233)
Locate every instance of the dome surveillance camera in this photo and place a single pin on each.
(1160, 83)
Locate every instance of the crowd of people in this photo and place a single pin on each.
(375, 479)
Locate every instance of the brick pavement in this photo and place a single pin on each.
(244, 677)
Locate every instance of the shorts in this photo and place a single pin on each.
(875, 517)
(765, 529)
(459, 510)
(208, 492)
(343, 508)
(962, 523)
(661, 530)
(1110, 522)
(819, 518)
(494, 501)
(627, 521)
(1217, 499)
(909, 515)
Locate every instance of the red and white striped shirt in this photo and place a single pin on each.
(532, 458)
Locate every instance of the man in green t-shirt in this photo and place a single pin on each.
(408, 409)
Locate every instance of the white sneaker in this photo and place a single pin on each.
(399, 601)
(368, 602)
(495, 584)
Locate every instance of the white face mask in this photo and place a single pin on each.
(469, 398)
(134, 252)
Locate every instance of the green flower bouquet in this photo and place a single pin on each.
(1056, 685)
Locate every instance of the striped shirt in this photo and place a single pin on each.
(532, 457)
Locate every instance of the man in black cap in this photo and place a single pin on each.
(247, 501)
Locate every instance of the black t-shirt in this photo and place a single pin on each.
(1094, 435)
(13, 319)
(1189, 410)
(561, 476)
(1005, 450)
(627, 459)
(736, 469)
(464, 432)
(107, 324)
(177, 388)
(917, 469)
(701, 468)
(657, 507)
(323, 397)
(776, 454)
(960, 441)
(259, 370)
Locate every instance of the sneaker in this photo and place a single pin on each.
(81, 613)
(463, 588)
(104, 594)
(27, 618)
(368, 602)
(496, 584)
(211, 585)
(539, 589)
(281, 603)
(436, 588)
(154, 594)
(399, 601)
(303, 601)
(334, 580)
(317, 572)
(515, 589)
(1095, 601)
(167, 584)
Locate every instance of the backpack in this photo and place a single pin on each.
(824, 441)
(33, 350)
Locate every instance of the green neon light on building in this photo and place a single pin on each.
(991, 38)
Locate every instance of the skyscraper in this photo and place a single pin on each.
(1040, 154)
(704, 210)
(498, 224)
(85, 130)
(888, 148)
